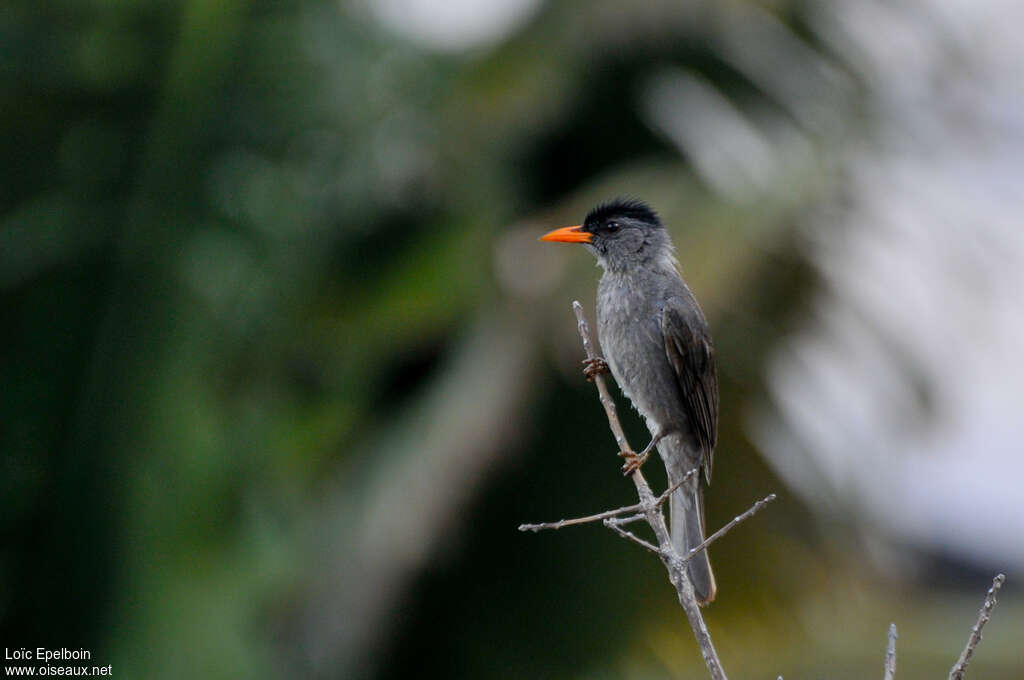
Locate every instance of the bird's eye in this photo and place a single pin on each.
(612, 226)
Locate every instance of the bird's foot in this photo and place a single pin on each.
(634, 461)
(594, 367)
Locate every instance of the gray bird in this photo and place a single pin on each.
(656, 342)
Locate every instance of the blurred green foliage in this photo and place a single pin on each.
(244, 245)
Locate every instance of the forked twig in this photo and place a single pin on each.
(639, 507)
(581, 520)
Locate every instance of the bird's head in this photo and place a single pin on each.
(623, 234)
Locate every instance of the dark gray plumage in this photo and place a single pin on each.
(656, 342)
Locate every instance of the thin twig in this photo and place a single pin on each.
(666, 552)
(668, 492)
(751, 511)
(890, 654)
(957, 672)
(580, 520)
(660, 500)
(614, 526)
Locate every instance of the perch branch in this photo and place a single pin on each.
(957, 672)
(890, 654)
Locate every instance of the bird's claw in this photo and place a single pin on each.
(633, 461)
(594, 367)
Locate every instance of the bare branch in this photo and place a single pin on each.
(639, 507)
(614, 526)
(580, 520)
(890, 654)
(620, 521)
(960, 667)
(668, 492)
(753, 510)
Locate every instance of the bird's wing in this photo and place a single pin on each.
(692, 357)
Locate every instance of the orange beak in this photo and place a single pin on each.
(568, 235)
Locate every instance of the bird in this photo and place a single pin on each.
(657, 344)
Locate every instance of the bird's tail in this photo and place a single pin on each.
(686, 518)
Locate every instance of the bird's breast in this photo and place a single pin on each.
(629, 330)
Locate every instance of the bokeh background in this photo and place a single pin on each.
(284, 366)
